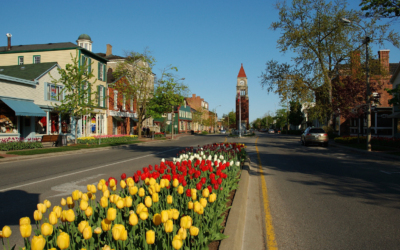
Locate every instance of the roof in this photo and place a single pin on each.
(393, 67)
(27, 71)
(395, 73)
(85, 36)
(241, 72)
(109, 57)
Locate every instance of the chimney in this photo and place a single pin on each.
(109, 50)
(8, 41)
(384, 60)
(193, 95)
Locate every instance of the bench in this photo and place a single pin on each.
(50, 138)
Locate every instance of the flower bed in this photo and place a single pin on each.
(15, 143)
(159, 135)
(106, 139)
(382, 141)
(176, 204)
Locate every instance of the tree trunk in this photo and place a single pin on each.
(76, 131)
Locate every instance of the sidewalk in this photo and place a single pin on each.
(10, 157)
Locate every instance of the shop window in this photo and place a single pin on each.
(115, 99)
(54, 123)
(182, 128)
(8, 120)
(41, 125)
(65, 123)
(124, 102)
(54, 93)
(131, 104)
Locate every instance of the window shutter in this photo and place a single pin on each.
(89, 93)
(104, 73)
(45, 91)
(98, 93)
(90, 66)
(104, 97)
(98, 70)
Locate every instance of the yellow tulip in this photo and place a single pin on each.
(120, 203)
(164, 216)
(170, 214)
(155, 197)
(152, 181)
(85, 197)
(194, 196)
(105, 188)
(106, 193)
(133, 219)
(76, 195)
(203, 202)
(124, 235)
(97, 230)
(112, 183)
(46, 229)
(141, 192)
(182, 232)
(147, 181)
(70, 215)
(83, 205)
(82, 225)
(70, 201)
(152, 190)
(147, 201)
(6, 232)
(150, 237)
(133, 190)
(93, 189)
(57, 210)
(162, 183)
(177, 242)
(89, 211)
(166, 183)
(63, 240)
(117, 230)
(26, 230)
(122, 184)
(114, 188)
(63, 202)
(190, 205)
(53, 218)
(107, 248)
(144, 215)
(111, 214)
(38, 242)
(63, 216)
(186, 222)
(201, 210)
(158, 189)
(139, 208)
(169, 199)
(180, 190)
(104, 202)
(197, 206)
(205, 193)
(175, 182)
(157, 219)
(212, 198)
(90, 195)
(130, 182)
(105, 225)
(87, 233)
(193, 191)
(194, 231)
(88, 187)
(24, 220)
(175, 214)
(100, 186)
(47, 203)
(128, 201)
(168, 226)
(41, 207)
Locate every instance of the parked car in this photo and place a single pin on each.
(222, 131)
(314, 136)
(271, 131)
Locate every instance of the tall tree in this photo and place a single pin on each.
(381, 8)
(77, 90)
(296, 117)
(314, 30)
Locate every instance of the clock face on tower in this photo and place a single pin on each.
(241, 82)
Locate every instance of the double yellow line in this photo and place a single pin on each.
(271, 241)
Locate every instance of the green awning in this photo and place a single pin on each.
(24, 108)
(119, 119)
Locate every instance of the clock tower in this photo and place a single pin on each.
(242, 99)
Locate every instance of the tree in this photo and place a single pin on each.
(296, 117)
(229, 120)
(395, 100)
(381, 8)
(280, 118)
(77, 90)
(313, 30)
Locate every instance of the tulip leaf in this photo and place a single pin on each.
(77, 239)
(13, 247)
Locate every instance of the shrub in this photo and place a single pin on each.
(204, 133)
(15, 143)
(107, 139)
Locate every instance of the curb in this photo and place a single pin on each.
(375, 154)
(80, 151)
(235, 223)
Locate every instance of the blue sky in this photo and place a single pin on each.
(207, 40)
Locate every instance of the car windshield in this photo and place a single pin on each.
(317, 130)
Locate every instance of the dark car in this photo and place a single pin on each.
(314, 136)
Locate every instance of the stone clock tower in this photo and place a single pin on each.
(242, 93)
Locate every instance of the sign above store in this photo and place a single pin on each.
(122, 114)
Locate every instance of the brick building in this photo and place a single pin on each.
(243, 99)
(201, 119)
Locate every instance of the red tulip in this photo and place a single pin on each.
(123, 176)
(188, 193)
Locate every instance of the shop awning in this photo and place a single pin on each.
(135, 119)
(118, 118)
(394, 115)
(24, 108)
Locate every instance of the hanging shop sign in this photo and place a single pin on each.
(121, 114)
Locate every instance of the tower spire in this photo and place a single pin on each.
(241, 72)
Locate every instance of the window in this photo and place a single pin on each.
(36, 59)
(131, 104)
(115, 99)
(53, 93)
(20, 60)
(101, 96)
(124, 102)
(182, 125)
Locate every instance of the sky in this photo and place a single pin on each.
(207, 40)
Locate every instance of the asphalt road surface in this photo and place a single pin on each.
(325, 198)
(23, 184)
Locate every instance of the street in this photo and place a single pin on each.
(319, 198)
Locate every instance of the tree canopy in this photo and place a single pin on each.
(381, 8)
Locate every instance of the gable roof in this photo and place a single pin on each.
(241, 72)
(109, 57)
(27, 71)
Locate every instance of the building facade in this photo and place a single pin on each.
(242, 100)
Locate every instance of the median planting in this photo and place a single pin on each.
(172, 205)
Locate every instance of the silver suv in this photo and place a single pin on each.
(314, 135)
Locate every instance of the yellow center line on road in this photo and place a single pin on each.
(226, 138)
(271, 241)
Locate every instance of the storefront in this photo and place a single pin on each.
(92, 124)
(122, 122)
